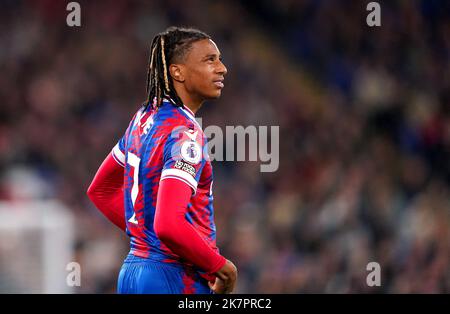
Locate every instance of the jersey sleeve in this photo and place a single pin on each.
(185, 155)
(118, 152)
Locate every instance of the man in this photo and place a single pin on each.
(156, 184)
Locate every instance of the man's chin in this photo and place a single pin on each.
(216, 94)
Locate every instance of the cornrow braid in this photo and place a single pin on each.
(168, 47)
(151, 71)
(163, 57)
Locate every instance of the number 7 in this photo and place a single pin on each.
(134, 162)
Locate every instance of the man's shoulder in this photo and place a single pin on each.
(171, 118)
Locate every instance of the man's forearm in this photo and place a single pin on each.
(106, 191)
(176, 233)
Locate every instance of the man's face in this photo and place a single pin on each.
(203, 70)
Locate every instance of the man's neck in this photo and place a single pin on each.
(193, 107)
(189, 101)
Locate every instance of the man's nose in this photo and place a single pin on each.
(222, 69)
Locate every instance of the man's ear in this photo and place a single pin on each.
(176, 71)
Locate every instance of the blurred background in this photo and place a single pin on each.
(364, 116)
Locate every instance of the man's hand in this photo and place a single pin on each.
(225, 280)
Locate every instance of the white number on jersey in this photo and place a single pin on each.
(134, 161)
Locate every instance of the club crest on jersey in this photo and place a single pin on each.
(191, 152)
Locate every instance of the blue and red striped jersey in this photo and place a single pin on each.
(160, 143)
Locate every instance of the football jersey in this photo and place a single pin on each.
(160, 143)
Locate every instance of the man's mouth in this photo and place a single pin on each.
(219, 83)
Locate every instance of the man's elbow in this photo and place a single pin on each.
(164, 232)
(90, 192)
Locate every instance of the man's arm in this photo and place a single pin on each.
(176, 232)
(106, 191)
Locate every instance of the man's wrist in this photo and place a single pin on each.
(220, 263)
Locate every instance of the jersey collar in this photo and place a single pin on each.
(188, 110)
(168, 99)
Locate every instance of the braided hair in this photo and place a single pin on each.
(168, 47)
